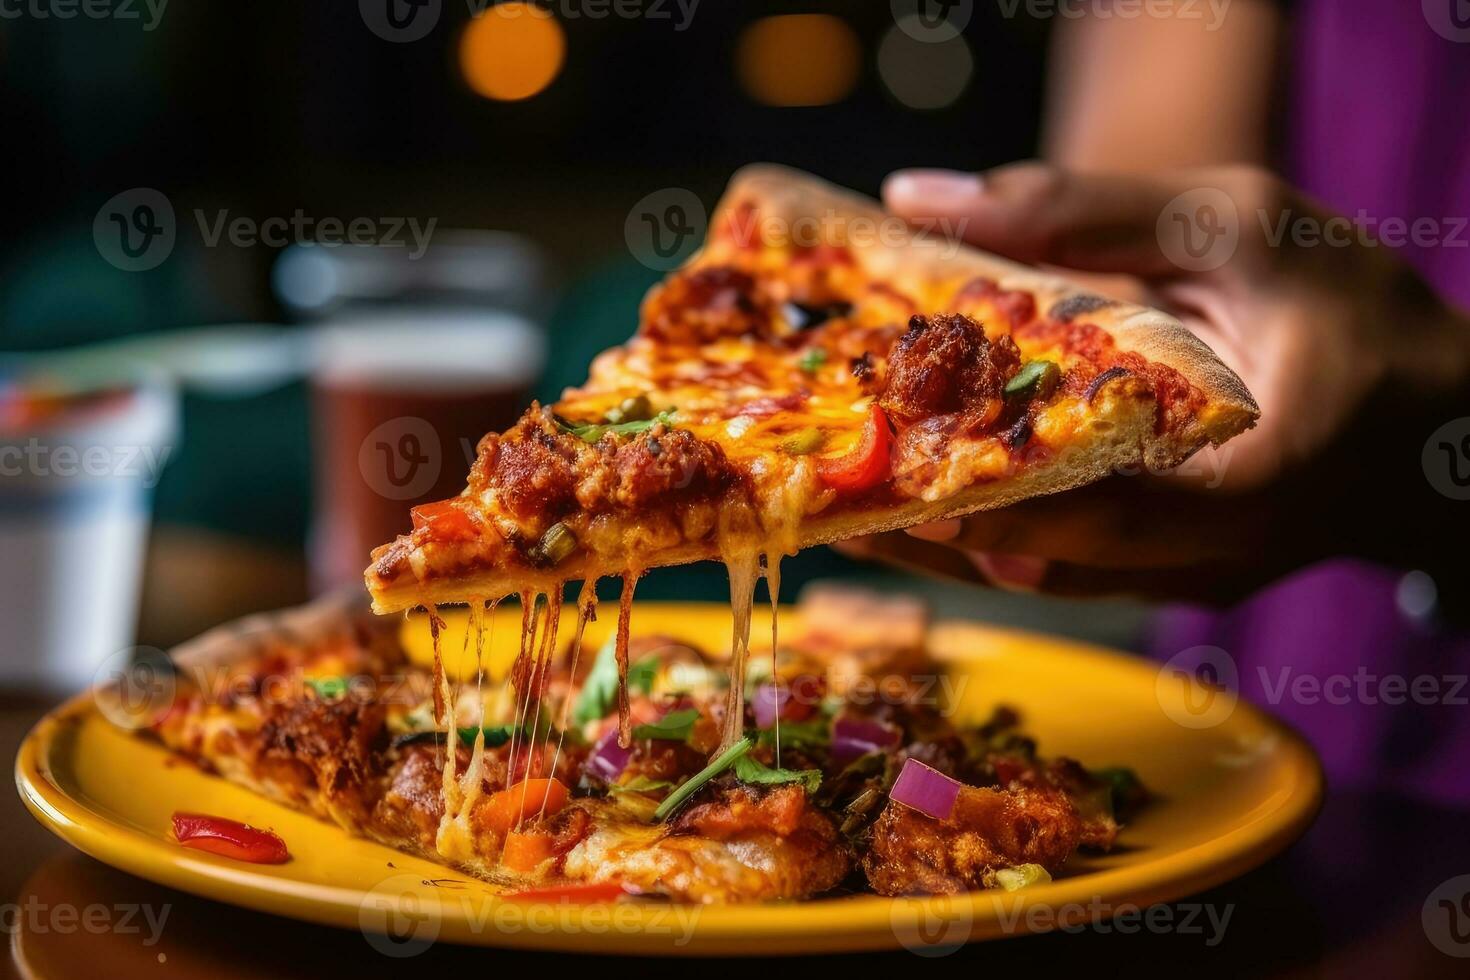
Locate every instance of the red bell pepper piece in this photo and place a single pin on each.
(444, 521)
(602, 891)
(867, 465)
(229, 838)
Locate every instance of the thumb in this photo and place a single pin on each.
(1037, 213)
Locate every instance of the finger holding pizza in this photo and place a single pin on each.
(1350, 356)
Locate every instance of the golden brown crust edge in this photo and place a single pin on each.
(791, 196)
(1112, 452)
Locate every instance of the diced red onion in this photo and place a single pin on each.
(855, 737)
(769, 703)
(794, 702)
(927, 790)
(608, 758)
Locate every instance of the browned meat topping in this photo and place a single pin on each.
(665, 463)
(914, 854)
(700, 305)
(945, 364)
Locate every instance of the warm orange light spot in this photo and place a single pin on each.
(798, 59)
(511, 51)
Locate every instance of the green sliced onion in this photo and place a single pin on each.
(635, 409)
(1036, 378)
(812, 360)
(1022, 876)
(689, 787)
(593, 431)
(555, 546)
(804, 442)
(639, 784)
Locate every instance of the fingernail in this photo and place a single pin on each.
(1021, 573)
(937, 531)
(931, 188)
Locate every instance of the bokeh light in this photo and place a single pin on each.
(511, 51)
(924, 74)
(798, 60)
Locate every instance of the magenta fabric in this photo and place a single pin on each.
(1377, 124)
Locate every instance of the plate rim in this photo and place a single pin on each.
(855, 923)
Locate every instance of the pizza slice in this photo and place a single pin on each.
(851, 770)
(816, 372)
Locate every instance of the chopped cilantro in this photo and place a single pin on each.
(749, 770)
(674, 726)
(600, 690)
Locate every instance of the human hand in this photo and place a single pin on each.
(1352, 359)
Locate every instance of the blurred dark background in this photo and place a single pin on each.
(328, 110)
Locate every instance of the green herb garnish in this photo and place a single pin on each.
(1039, 378)
(674, 726)
(328, 688)
(796, 733)
(639, 784)
(749, 770)
(498, 735)
(1123, 785)
(690, 786)
(812, 360)
(600, 690)
(804, 442)
(593, 431)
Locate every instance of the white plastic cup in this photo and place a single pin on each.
(75, 502)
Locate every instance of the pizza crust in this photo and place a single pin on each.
(793, 196)
(795, 199)
(1112, 451)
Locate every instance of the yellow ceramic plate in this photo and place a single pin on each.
(1234, 787)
